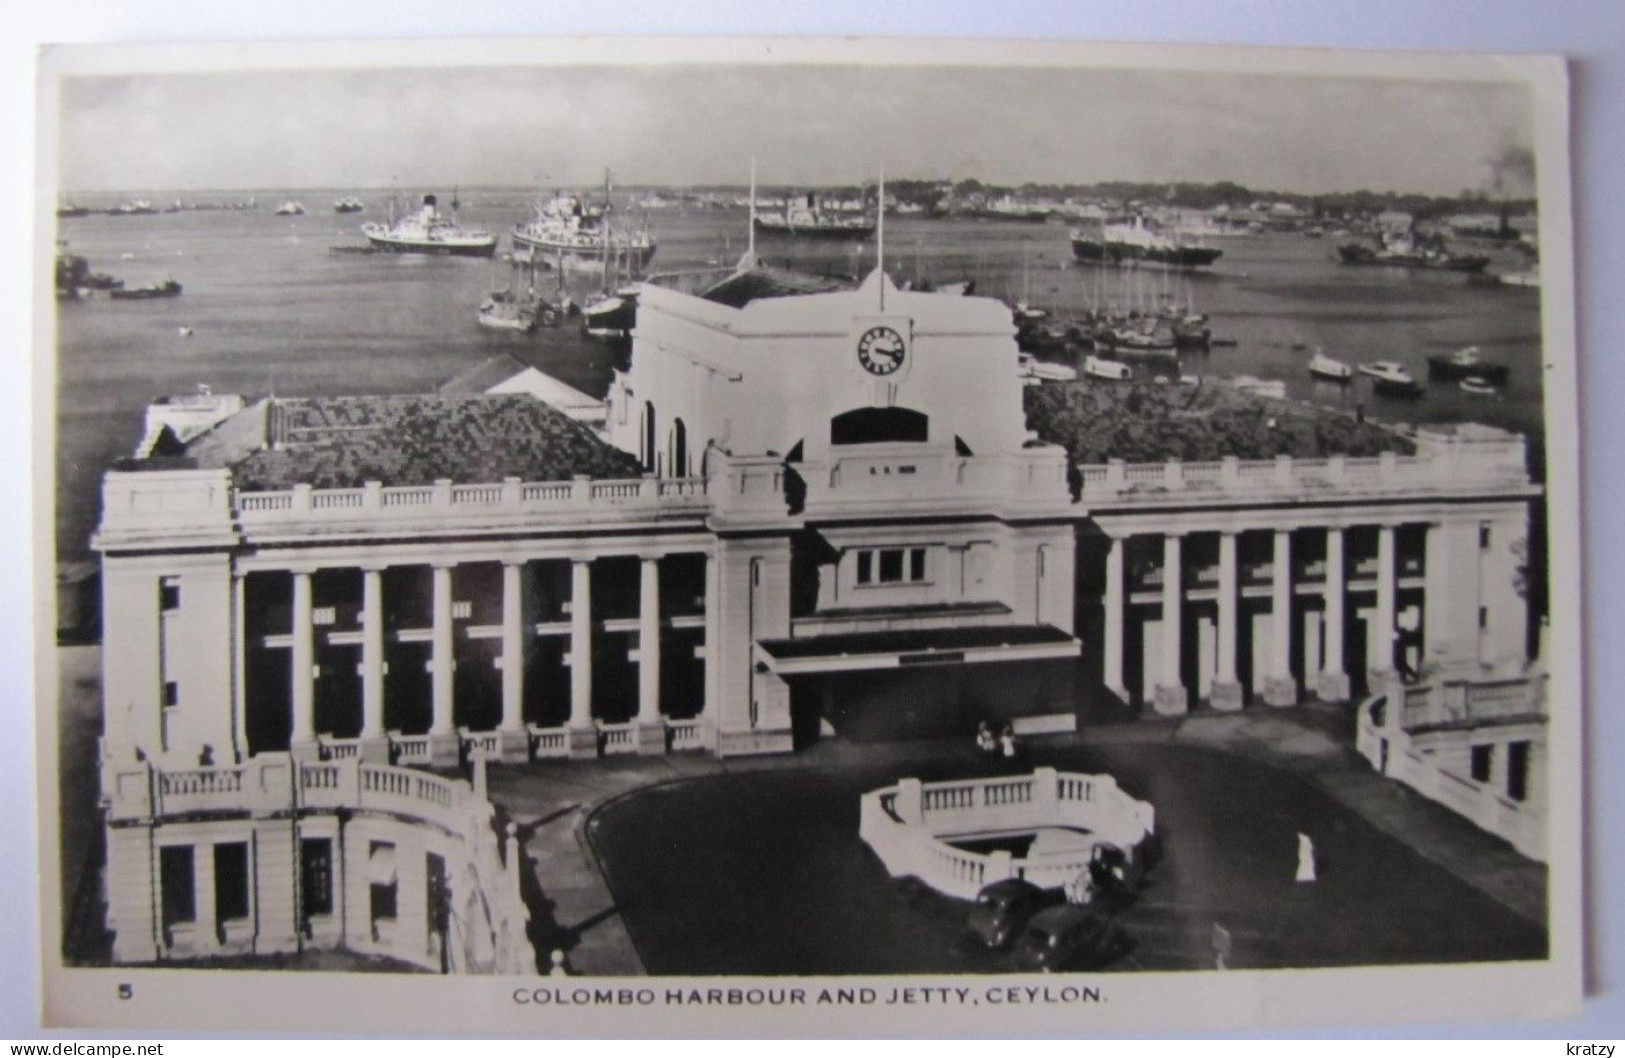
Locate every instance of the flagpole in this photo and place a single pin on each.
(751, 239)
(880, 236)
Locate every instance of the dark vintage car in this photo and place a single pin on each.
(1069, 938)
(1003, 908)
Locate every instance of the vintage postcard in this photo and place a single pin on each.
(805, 537)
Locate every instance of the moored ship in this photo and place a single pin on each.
(805, 218)
(1403, 251)
(569, 232)
(429, 231)
(1135, 241)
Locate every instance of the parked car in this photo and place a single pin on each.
(1003, 908)
(1115, 870)
(1069, 938)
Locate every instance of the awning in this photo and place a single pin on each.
(861, 651)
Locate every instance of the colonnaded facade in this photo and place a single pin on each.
(815, 509)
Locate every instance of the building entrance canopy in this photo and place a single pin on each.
(860, 651)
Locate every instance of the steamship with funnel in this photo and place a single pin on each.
(429, 231)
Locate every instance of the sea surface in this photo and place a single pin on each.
(268, 308)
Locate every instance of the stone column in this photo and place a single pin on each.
(374, 740)
(513, 741)
(709, 708)
(582, 735)
(1280, 688)
(1112, 638)
(1436, 588)
(1333, 681)
(302, 659)
(1383, 663)
(1226, 693)
(1170, 692)
(651, 730)
(444, 744)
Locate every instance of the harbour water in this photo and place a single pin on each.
(267, 308)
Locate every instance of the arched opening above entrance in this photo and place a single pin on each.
(863, 426)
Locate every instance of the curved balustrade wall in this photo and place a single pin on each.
(411, 865)
(909, 826)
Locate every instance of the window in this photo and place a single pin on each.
(169, 594)
(231, 881)
(1482, 758)
(1483, 617)
(1518, 770)
(437, 893)
(891, 565)
(381, 874)
(172, 693)
(316, 876)
(175, 884)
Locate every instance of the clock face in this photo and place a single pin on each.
(881, 350)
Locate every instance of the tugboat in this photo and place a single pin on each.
(290, 209)
(167, 289)
(578, 235)
(75, 280)
(1330, 369)
(1466, 363)
(1390, 376)
(807, 219)
(1137, 242)
(429, 231)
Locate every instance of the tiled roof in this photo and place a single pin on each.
(1156, 423)
(482, 376)
(344, 442)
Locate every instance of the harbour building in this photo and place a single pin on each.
(812, 509)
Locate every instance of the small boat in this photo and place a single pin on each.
(1108, 370)
(502, 311)
(348, 205)
(609, 315)
(1036, 370)
(1466, 363)
(290, 209)
(1260, 387)
(1330, 368)
(1478, 386)
(1390, 376)
(167, 289)
(1138, 341)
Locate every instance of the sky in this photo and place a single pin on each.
(805, 125)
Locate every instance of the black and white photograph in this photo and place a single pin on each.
(803, 529)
